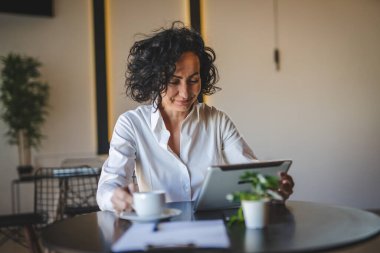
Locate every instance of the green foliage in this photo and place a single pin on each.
(263, 187)
(238, 217)
(23, 96)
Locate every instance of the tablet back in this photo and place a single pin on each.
(222, 180)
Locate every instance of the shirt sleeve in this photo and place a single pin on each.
(234, 148)
(117, 170)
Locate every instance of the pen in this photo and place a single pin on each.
(155, 227)
(170, 245)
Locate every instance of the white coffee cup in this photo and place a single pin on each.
(149, 203)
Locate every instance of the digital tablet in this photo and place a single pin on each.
(222, 180)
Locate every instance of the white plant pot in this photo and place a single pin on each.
(256, 213)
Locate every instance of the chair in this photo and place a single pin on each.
(66, 191)
(59, 192)
(95, 162)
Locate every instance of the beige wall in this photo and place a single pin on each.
(320, 110)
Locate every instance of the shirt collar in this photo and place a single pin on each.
(156, 117)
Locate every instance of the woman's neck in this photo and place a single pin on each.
(173, 119)
(173, 122)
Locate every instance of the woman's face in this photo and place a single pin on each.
(184, 86)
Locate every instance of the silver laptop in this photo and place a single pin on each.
(225, 179)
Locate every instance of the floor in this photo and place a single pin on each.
(12, 247)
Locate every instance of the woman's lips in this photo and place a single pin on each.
(187, 102)
(183, 102)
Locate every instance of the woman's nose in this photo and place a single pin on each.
(183, 90)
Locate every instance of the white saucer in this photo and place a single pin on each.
(167, 213)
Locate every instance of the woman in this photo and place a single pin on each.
(170, 142)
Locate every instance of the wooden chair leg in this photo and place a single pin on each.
(32, 239)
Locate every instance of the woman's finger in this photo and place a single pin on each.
(122, 200)
(287, 178)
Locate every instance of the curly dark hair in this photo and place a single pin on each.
(151, 62)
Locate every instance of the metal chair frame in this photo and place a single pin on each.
(59, 192)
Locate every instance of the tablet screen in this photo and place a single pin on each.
(224, 179)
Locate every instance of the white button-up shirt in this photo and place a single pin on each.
(140, 142)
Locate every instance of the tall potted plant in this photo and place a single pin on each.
(254, 203)
(24, 99)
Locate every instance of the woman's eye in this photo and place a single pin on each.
(194, 81)
(174, 81)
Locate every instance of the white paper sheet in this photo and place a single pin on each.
(204, 234)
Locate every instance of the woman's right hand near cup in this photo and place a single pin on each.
(122, 198)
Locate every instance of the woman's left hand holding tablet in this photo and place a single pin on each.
(286, 185)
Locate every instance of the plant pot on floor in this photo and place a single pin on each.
(256, 213)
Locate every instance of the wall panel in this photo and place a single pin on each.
(321, 109)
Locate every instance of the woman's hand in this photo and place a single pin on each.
(286, 185)
(122, 198)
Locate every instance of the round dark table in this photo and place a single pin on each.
(294, 227)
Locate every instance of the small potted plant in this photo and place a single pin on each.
(24, 99)
(254, 203)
